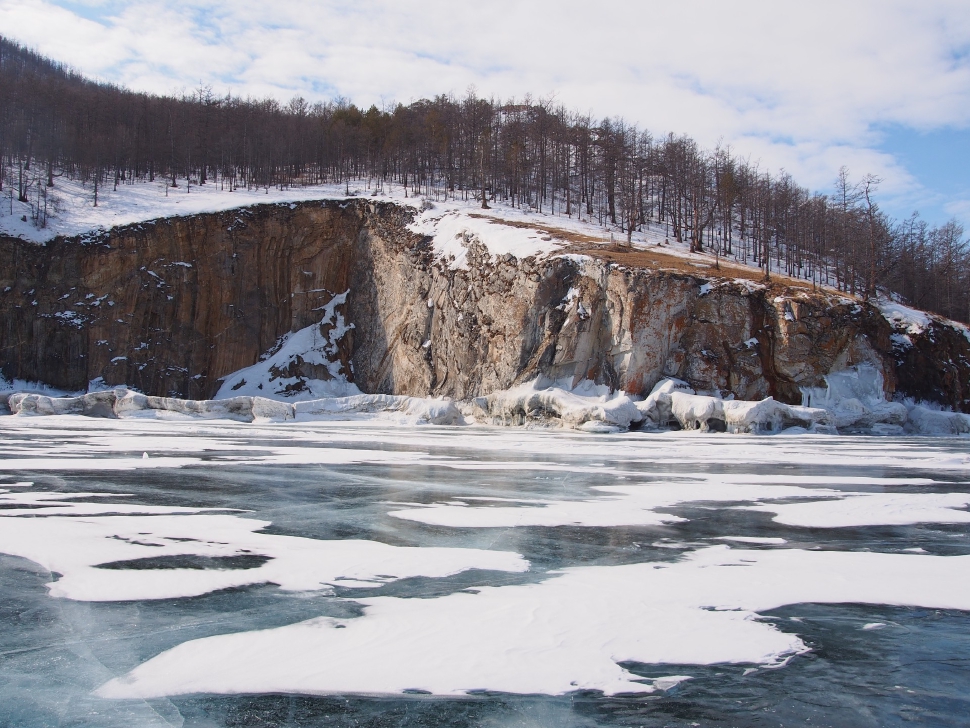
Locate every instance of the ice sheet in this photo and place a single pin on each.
(68, 442)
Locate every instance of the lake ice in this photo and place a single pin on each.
(216, 573)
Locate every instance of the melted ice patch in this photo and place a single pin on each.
(76, 538)
(565, 634)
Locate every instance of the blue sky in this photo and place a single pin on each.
(940, 161)
(878, 86)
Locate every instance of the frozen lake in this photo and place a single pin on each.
(218, 574)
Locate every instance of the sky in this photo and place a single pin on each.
(882, 87)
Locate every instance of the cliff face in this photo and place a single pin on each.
(171, 306)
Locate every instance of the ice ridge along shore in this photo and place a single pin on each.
(852, 402)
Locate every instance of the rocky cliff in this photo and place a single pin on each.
(172, 306)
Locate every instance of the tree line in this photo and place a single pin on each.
(531, 153)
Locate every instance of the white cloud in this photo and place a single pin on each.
(797, 86)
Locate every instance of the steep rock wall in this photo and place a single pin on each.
(428, 329)
(171, 306)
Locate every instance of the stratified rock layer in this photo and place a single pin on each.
(172, 306)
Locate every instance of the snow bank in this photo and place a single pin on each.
(856, 401)
(852, 401)
(453, 231)
(655, 410)
(848, 404)
(673, 401)
(922, 420)
(121, 403)
(768, 415)
(910, 320)
(139, 200)
(410, 410)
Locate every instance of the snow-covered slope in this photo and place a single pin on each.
(303, 366)
(502, 228)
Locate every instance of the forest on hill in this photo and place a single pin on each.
(531, 153)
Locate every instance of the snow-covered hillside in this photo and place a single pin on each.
(503, 229)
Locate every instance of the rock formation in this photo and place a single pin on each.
(173, 306)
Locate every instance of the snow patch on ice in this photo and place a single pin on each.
(753, 539)
(640, 505)
(46, 528)
(872, 509)
(568, 633)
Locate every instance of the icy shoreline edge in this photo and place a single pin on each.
(848, 405)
